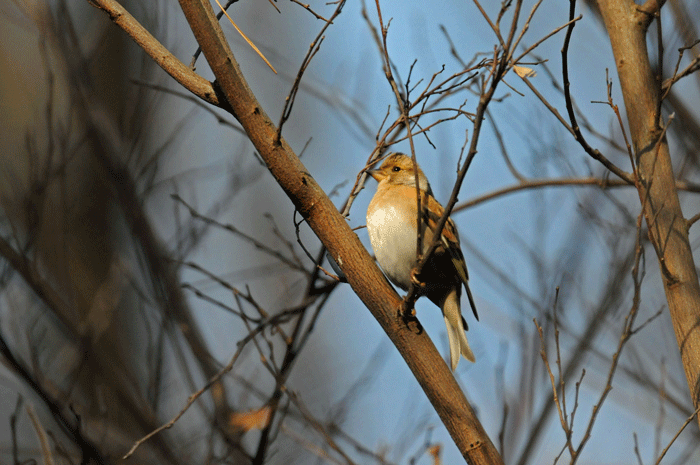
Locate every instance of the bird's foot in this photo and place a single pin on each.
(407, 312)
(414, 279)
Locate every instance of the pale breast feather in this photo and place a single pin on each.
(387, 234)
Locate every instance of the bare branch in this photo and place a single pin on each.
(194, 396)
(313, 49)
(692, 67)
(161, 55)
(678, 433)
(594, 153)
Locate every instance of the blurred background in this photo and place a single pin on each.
(143, 244)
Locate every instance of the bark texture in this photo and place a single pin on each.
(627, 24)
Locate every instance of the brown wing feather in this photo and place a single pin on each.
(432, 212)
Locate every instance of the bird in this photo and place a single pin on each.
(392, 226)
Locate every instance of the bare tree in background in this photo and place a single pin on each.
(98, 328)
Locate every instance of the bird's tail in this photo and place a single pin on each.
(455, 330)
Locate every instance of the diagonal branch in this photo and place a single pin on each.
(594, 153)
(161, 55)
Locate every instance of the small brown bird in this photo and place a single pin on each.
(391, 223)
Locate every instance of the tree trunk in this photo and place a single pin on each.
(627, 24)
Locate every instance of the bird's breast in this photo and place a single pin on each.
(393, 236)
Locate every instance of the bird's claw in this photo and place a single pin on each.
(408, 315)
(414, 279)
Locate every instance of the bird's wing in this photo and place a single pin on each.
(432, 213)
(450, 240)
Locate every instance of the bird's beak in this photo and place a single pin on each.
(376, 174)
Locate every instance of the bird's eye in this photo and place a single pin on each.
(396, 169)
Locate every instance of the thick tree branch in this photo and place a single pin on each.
(161, 55)
(627, 27)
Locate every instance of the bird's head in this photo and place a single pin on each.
(398, 169)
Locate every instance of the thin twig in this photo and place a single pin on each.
(504, 150)
(693, 66)
(197, 101)
(248, 41)
(616, 110)
(553, 384)
(308, 8)
(692, 220)
(313, 49)
(41, 435)
(628, 330)
(320, 428)
(14, 417)
(292, 263)
(528, 184)
(678, 433)
(532, 47)
(193, 397)
(636, 450)
(494, 28)
(594, 153)
(524, 29)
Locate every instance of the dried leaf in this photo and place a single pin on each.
(253, 419)
(524, 72)
(434, 451)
